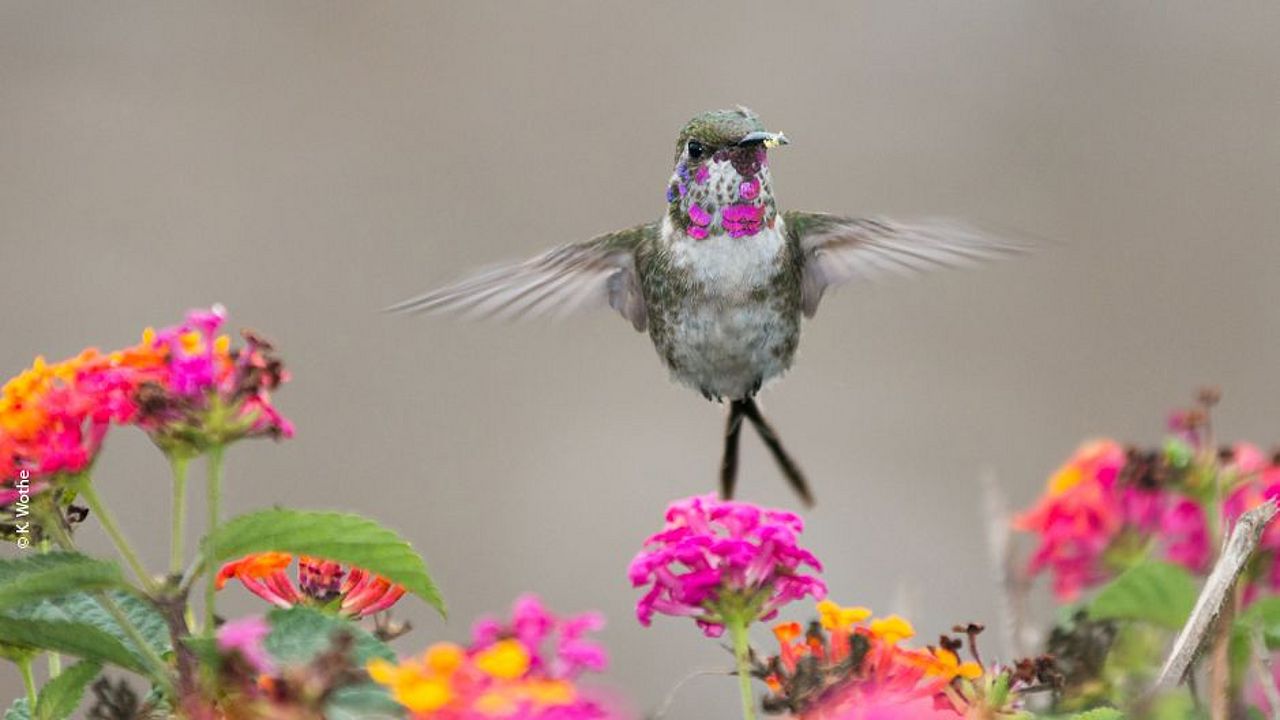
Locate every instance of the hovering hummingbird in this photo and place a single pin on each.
(721, 280)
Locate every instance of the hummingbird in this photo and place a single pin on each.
(721, 280)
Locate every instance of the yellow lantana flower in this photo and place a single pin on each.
(505, 660)
(834, 617)
(412, 684)
(892, 629)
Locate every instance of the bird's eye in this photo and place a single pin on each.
(695, 149)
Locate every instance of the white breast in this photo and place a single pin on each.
(727, 338)
(728, 266)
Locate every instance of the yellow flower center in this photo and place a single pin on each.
(892, 629)
(550, 692)
(834, 617)
(444, 658)
(505, 660)
(423, 694)
(191, 342)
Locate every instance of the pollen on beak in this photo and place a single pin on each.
(768, 139)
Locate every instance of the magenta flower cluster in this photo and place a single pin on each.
(712, 549)
(558, 646)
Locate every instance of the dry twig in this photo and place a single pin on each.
(661, 712)
(1266, 677)
(1215, 595)
(1010, 580)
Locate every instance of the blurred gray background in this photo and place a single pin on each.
(307, 164)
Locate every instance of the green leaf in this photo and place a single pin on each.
(61, 696)
(73, 638)
(35, 577)
(19, 710)
(1262, 617)
(1098, 714)
(85, 608)
(1265, 616)
(366, 701)
(340, 537)
(1154, 592)
(17, 653)
(299, 634)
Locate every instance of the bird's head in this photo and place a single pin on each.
(721, 183)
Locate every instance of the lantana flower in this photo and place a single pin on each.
(351, 592)
(184, 385)
(54, 417)
(245, 637)
(248, 683)
(1109, 506)
(522, 669)
(849, 666)
(718, 560)
(211, 394)
(1086, 514)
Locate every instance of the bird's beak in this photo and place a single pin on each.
(768, 139)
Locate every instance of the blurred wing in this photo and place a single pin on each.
(596, 273)
(837, 250)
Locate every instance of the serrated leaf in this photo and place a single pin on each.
(299, 633)
(85, 608)
(1154, 592)
(19, 710)
(35, 577)
(73, 638)
(340, 537)
(61, 696)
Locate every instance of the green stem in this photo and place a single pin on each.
(51, 525)
(55, 660)
(108, 522)
(179, 465)
(737, 627)
(214, 502)
(29, 682)
(159, 668)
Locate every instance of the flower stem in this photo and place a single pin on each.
(55, 660)
(737, 627)
(159, 668)
(213, 486)
(29, 682)
(51, 525)
(108, 522)
(179, 465)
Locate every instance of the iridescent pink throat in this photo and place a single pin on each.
(743, 216)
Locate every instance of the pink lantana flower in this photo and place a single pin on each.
(1081, 513)
(185, 385)
(558, 646)
(524, 668)
(719, 557)
(245, 636)
(211, 394)
(1185, 533)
